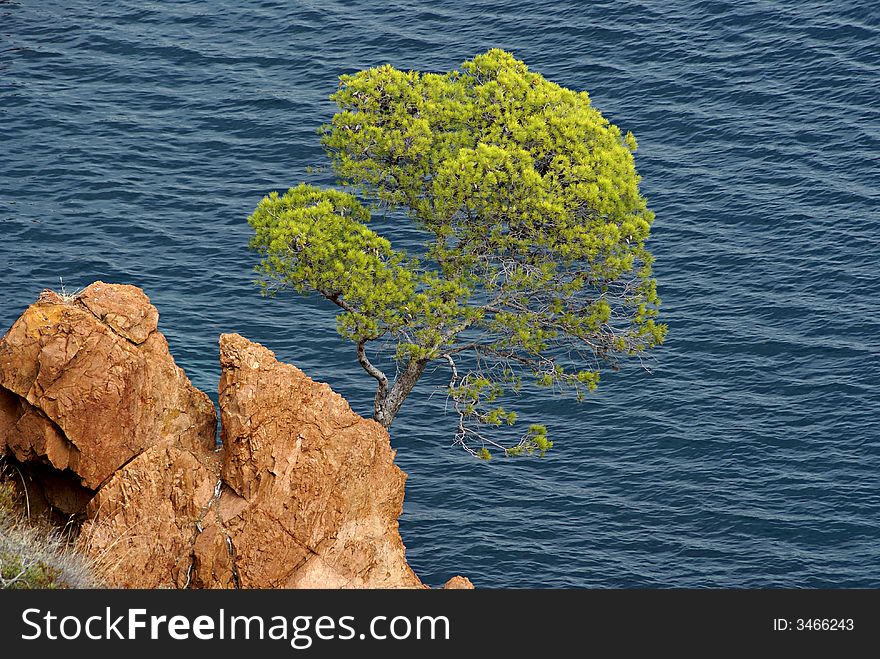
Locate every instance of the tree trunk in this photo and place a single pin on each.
(387, 403)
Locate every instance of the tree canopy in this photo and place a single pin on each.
(533, 269)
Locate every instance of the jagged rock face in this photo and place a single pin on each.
(93, 409)
(313, 494)
(88, 384)
(143, 522)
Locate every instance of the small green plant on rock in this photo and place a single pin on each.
(32, 554)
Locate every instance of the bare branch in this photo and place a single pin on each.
(381, 378)
(367, 365)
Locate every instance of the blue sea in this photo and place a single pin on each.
(136, 138)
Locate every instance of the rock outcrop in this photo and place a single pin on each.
(458, 583)
(301, 468)
(108, 429)
(87, 385)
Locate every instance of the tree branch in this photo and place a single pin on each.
(464, 432)
(336, 299)
(368, 365)
(381, 378)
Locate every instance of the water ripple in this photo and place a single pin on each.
(136, 138)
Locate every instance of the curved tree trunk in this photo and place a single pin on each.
(387, 405)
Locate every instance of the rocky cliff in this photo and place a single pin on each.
(109, 431)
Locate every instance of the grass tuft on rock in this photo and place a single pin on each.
(33, 555)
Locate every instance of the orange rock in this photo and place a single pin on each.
(304, 493)
(125, 309)
(314, 492)
(96, 394)
(458, 583)
(143, 522)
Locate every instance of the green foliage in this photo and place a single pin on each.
(535, 230)
(9, 498)
(534, 442)
(17, 573)
(313, 239)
